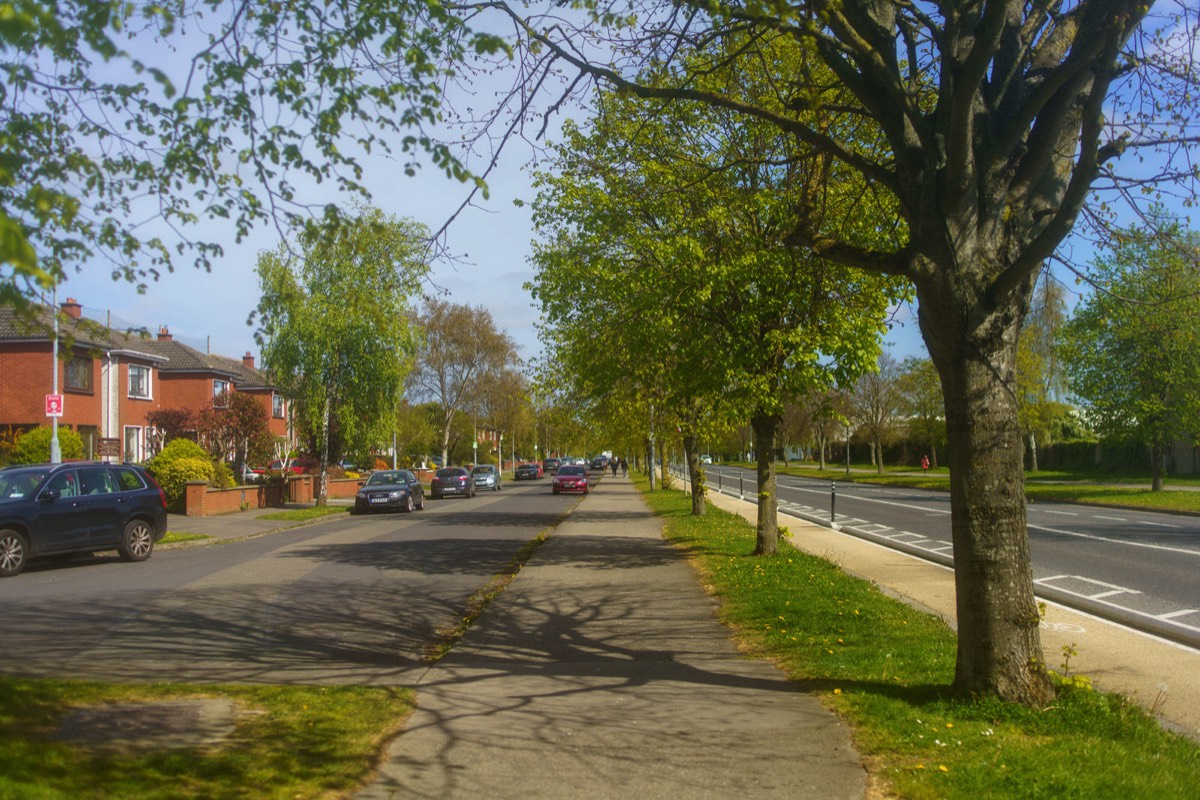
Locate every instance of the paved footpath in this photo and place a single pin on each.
(602, 672)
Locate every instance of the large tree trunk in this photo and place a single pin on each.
(999, 641)
(696, 475)
(765, 426)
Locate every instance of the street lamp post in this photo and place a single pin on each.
(55, 448)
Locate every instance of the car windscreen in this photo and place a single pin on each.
(378, 478)
(449, 473)
(572, 470)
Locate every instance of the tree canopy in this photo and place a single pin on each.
(1133, 346)
(336, 327)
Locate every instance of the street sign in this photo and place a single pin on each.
(54, 405)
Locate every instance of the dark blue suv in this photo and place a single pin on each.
(78, 507)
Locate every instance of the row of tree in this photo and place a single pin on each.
(951, 146)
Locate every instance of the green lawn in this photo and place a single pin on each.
(289, 742)
(887, 668)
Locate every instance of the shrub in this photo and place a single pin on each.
(223, 477)
(33, 447)
(180, 461)
(180, 448)
(173, 475)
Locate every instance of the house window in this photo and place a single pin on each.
(133, 445)
(220, 394)
(139, 381)
(79, 374)
(277, 409)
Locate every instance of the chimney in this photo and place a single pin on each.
(164, 335)
(248, 360)
(72, 308)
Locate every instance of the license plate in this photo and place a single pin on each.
(379, 499)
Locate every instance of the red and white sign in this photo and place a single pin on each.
(54, 405)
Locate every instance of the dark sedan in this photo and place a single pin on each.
(79, 507)
(389, 490)
(530, 471)
(451, 480)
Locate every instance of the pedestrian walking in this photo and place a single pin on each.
(624, 467)
(925, 463)
(612, 462)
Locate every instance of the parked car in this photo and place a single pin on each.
(571, 478)
(530, 471)
(486, 476)
(252, 474)
(451, 480)
(78, 507)
(705, 459)
(389, 490)
(600, 462)
(297, 466)
(551, 465)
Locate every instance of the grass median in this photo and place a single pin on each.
(886, 668)
(1065, 487)
(287, 742)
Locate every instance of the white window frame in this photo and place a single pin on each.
(221, 387)
(278, 406)
(134, 441)
(149, 395)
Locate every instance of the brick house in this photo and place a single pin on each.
(110, 380)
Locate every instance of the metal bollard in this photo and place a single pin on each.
(832, 502)
(741, 488)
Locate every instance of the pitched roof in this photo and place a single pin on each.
(38, 326)
(182, 358)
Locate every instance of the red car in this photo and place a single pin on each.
(571, 478)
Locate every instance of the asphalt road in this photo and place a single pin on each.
(1137, 567)
(354, 599)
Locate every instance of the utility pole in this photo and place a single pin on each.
(55, 449)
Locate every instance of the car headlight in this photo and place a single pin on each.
(395, 495)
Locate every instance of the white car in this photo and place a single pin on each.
(706, 459)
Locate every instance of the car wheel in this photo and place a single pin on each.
(137, 541)
(408, 503)
(14, 552)
(421, 503)
(556, 491)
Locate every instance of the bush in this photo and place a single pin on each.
(33, 447)
(180, 461)
(173, 475)
(180, 448)
(223, 477)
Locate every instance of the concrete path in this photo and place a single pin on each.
(602, 672)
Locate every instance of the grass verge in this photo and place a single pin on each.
(305, 514)
(171, 537)
(886, 668)
(289, 742)
(1038, 486)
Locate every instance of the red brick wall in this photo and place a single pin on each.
(27, 380)
(193, 392)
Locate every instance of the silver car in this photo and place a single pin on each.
(486, 477)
